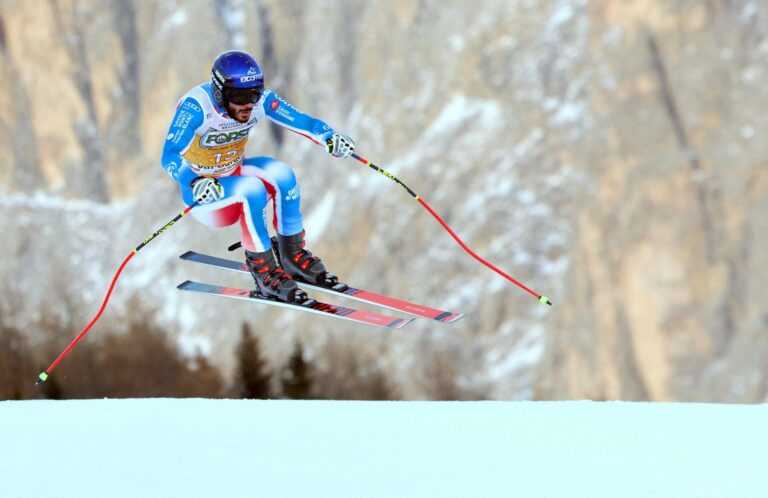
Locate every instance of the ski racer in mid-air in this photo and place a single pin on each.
(205, 153)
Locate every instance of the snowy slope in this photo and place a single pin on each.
(191, 448)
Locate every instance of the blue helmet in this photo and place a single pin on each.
(236, 77)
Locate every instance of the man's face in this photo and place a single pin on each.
(241, 113)
(240, 102)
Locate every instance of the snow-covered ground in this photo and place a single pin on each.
(233, 448)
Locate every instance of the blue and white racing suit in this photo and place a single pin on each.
(204, 141)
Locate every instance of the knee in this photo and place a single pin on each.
(252, 189)
(282, 173)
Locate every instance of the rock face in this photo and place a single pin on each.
(664, 301)
(606, 153)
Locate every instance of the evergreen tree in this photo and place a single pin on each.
(52, 389)
(252, 375)
(15, 364)
(207, 381)
(296, 377)
(351, 376)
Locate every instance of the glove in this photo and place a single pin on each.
(340, 145)
(205, 190)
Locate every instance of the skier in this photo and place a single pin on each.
(205, 153)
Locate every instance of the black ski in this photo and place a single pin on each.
(310, 306)
(342, 290)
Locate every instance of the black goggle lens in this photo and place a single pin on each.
(243, 96)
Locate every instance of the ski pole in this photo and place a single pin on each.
(44, 375)
(543, 299)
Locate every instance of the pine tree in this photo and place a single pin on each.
(252, 375)
(15, 364)
(207, 381)
(52, 389)
(296, 377)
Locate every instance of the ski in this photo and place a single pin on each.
(310, 306)
(340, 289)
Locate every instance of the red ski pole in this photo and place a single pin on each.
(543, 299)
(44, 375)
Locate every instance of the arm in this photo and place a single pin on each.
(188, 117)
(281, 112)
(287, 116)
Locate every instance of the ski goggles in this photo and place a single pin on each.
(243, 96)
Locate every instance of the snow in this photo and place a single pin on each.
(200, 448)
(458, 111)
(457, 43)
(177, 19)
(459, 118)
(569, 113)
(233, 18)
(749, 10)
(42, 201)
(562, 15)
(524, 146)
(192, 345)
(528, 352)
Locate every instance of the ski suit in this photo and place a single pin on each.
(204, 141)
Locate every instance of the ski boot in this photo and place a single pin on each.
(300, 263)
(272, 281)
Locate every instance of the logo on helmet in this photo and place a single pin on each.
(254, 74)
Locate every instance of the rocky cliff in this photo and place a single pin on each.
(606, 153)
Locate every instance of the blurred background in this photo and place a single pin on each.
(609, 154)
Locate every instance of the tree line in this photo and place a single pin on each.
(144, 362)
